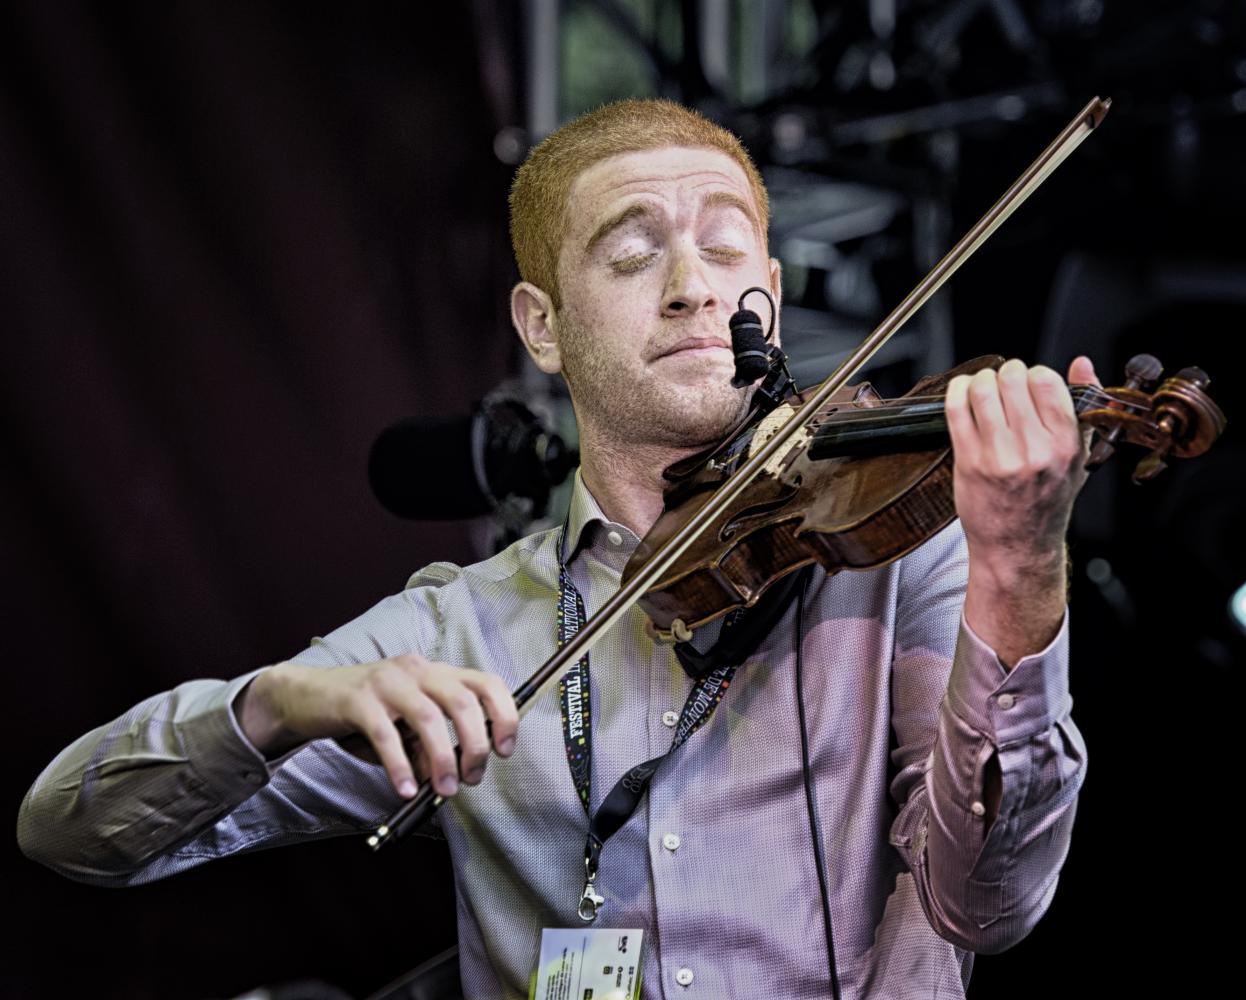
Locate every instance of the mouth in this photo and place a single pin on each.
(692, 346)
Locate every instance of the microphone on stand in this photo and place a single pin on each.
(439, 470)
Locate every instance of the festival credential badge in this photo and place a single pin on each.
(588, 963)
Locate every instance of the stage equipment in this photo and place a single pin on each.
(501, 460)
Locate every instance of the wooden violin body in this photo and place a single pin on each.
(865, 482)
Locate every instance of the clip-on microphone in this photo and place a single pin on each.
(755, 356)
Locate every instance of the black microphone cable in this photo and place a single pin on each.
(815, 826)
(756, 356)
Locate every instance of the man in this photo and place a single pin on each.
(946, 766)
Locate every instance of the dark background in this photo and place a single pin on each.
(236, 240)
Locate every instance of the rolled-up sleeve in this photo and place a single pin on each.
(173, 762)
(983, 881)
(174, 781)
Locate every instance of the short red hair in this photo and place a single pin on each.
(538, 198)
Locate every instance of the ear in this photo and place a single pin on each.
(532, 314)
(776, 289)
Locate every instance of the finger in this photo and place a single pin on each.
(989, 418)
(462, 705)
(1082, 372)
(1053, 404)
(960, 426)
(415, 750)
(499, 706)
(1027, 433)
(406, 697)
(375, 724)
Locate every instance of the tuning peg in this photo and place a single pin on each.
(1149, 468)
(1143, 371)
(1100, 452)
(1196, 375)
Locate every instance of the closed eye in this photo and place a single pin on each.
(725, 254)
(637, 262)
(629, 265)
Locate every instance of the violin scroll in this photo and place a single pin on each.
(1177, 419)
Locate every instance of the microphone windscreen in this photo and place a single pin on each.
(748, 342)
(424, 470)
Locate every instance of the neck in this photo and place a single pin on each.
(626, 479)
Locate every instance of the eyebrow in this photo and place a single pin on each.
(635, 210)
(640, 209)
(729, 199)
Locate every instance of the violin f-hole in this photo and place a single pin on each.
(757, 511)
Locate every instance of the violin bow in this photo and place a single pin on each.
(417, 810)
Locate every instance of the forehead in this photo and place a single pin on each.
(674, 173)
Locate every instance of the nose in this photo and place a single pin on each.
(687, 290)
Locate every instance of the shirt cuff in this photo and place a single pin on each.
(214, 742)
(1010, 705)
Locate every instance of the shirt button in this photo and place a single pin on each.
(684, 976)
(1006, 701)
(978, 809)
(670, 718)
(614, 538)
(671, 843)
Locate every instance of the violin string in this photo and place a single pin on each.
(893, 411)
(905, 401)
(1077, 391)
(914, 405)
(905, 409)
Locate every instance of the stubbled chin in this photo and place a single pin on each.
(695, 418)
(696, 370)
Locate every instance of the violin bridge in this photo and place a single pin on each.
(767, 429)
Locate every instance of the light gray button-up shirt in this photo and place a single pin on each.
(905, 708)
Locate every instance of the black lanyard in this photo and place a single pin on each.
(574, 695)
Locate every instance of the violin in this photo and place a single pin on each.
(722, 541)
(868, 480)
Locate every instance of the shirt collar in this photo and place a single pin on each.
(585, 521)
